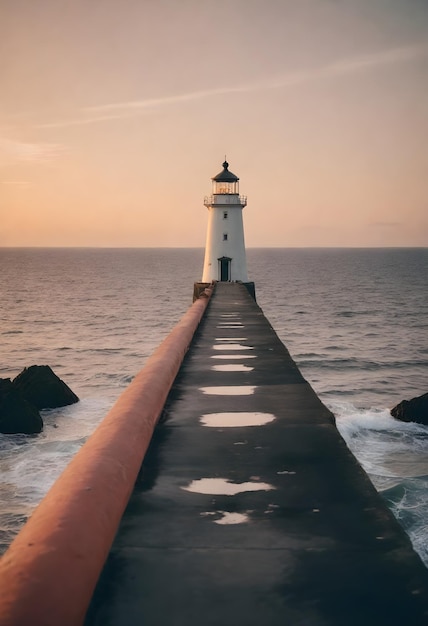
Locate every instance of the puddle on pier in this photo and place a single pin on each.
(237, 419)
(224, 487)
(233, 356)
(231, 338)
(227, 517)
(231, 346)
(241, 390)
(234, 327)
(232, 367)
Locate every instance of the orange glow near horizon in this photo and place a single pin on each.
(109, 136)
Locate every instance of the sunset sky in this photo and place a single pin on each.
(115, 114)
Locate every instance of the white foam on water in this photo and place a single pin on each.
(232, 367)
(224, 487)
(408, 501)
(382, 443)
(351, 420)
(385, 446)
(30, 465)
(233, 420)
(238, 390)
(395, 456)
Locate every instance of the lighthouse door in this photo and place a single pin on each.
(224, 263)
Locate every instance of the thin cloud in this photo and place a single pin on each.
(84, 120)
(136, 107)
(351, 65)
(13, 151)
(343, 67)
(387, 57)
(185, 97)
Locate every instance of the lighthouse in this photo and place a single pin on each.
(225, 257)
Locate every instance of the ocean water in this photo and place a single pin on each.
(355, 321)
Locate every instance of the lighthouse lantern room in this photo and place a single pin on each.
(225, 258)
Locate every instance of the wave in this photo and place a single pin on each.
(356, 313)
(352, 420)
(408, 501)
(395, 456)
(324, 362)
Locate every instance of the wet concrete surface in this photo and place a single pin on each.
(267, 524)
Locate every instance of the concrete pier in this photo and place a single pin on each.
(249, 508)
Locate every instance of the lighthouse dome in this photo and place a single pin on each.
(225, 176)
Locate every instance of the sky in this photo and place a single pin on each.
(115, 115)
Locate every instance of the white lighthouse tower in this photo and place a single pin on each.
(225, 258)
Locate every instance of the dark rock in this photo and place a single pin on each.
(40, 386)
(16, 414)
(415, 410)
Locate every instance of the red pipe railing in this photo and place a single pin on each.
(49, 573)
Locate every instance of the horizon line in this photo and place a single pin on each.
(318, 247)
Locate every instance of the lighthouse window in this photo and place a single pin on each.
(224, 236)
(225, 215)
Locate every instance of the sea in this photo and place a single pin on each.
(354, 320)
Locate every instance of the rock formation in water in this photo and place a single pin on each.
(35, 388)
(16, 414)
(415, 410)
(41, 387)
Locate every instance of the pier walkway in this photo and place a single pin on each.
(249, 508)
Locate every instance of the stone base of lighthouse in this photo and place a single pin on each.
(199, 288)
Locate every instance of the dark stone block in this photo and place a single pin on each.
(16, 414)
(415, 410)
(40, 386)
